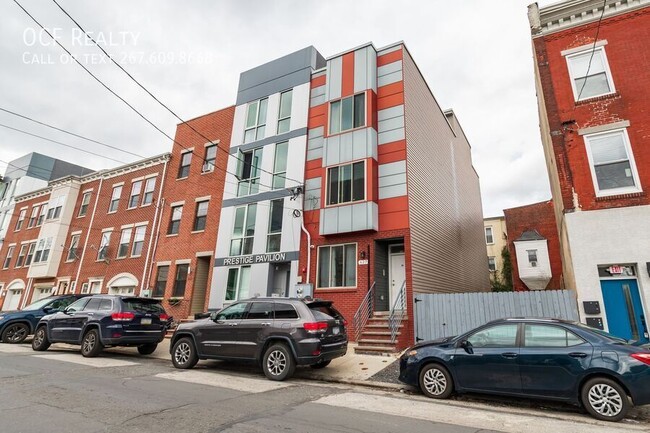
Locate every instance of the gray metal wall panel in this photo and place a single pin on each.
(334, 78)
(269, 140)
(348, 218)
(313, 193)
(393, 179)
(397, 167)
(389, 68)
(350, 146)
(390, 124)
(315, 142)
(441, 315)
(372, 68)
(317, 96)
(361, 70)
(391, 136)
(390, 191)
(267, 195)
(389, 113)
(445, 212)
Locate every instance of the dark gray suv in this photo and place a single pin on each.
(277, 333)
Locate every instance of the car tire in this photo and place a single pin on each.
(147, 349)
(278, 363)
(184, 354)
(15, 333)
(40, 342)
(605, 399)
(91, 345)
(321, 364)
(436, 382)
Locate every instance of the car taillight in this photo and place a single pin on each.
(164, 317)
(122, 317)
(345, 322)
(643, 357)
(315, 326)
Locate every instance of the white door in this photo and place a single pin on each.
(12, 300)
(397, 272)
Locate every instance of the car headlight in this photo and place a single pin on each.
(411, 353)
(2, 317)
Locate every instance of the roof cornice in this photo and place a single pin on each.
(572, 13)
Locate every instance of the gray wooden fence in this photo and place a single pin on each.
(444, 315)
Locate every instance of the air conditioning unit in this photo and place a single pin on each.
(533, 264)
(207, 167)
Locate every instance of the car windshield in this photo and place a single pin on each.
(614, 339)
(38, 304)
(143, 306)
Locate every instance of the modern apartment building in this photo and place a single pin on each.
(591, 60)
(496, 238)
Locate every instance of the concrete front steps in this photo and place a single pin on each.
(375, 337)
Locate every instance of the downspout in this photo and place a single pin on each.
(156, 219)
(302, 225)
(92, 219)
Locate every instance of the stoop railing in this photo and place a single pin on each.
(397, 313)
(364, 312)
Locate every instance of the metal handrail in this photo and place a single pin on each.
(397, 313)
(364, 312)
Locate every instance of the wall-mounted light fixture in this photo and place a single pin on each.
(362, 255)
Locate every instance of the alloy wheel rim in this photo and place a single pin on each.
(605, 400)
(16, 333)
(435, 381)
(276, 362)
(182, 354)
(89, 342)
(38, 338)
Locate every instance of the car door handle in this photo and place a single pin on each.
(509, 355)
(232, 324)
(265, 323)
(577, 355)
(90, 314)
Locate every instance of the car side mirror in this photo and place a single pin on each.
(465, 344)
(48, 310)
(213, 316)
(69, 310)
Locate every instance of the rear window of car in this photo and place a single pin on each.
(325, 312)
(285, 311)
(142, 306)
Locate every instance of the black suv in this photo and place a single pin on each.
(98, 321)
(277, 333)
(15, 326)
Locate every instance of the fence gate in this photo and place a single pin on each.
(444, 315)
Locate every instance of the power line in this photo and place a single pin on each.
(153, 96)
(70, 133)
(62, 144)
(593, 50)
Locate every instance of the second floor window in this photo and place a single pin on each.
(589, 81)
(85, 201)
(125, 240)
(255, 120)
(43, 250)
(348, 113)
(73, 250)
(10, 253)
(175, 221)
(184, 168)
(21, 219)
(201, 215)
(346, 183)
(30, 253)
(149, 186)
(284, 115)
(243, 231)
(21, 255)
(102, 251)
(612, 163)
(210, 158)
(161, 282)
(138, 241)
(33, 217)
(134, 198)
(492, 264)
(249, 172)
(489, 237)
(115, 198)
(180, 281)
(41, 216)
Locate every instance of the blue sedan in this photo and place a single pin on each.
(539, 358)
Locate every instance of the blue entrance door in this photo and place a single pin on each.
(624, 310)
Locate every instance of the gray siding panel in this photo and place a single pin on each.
(268, 195)
(350, 146)
(315, 142)
(360, 70)
(445, 211)
(391, 136)
(334, 78)
(269, 140)
(349, 218)
(391, 112)
(313, 193)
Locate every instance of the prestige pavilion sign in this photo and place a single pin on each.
(257, 258)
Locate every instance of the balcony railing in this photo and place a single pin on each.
(397, 313)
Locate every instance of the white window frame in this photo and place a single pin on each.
(22, 253)
(491, 235)
(259, 123)
(134, 196)
(21, 219)
(243, 236)
(251, 184)
(630, 155)
(85, 201)
(494, 260)
(139, 234)
(356, 266)
(280, 118)
(117, 191)
(73, 246)
(238, 283)
(352, 201)
(209, 163)
(8, 257)
(125, 240)
(149, 188)
(608, 73)
(104, 244)
(33, 217)
(188, 165)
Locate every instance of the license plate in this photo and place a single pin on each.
(146, 321)
(335, 330)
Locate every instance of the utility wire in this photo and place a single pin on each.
(154, 97)
(593, 50)
(70, 133)
(62, 144)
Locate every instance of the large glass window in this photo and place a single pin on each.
(134, 198)
(244, 230)
(348, 113)
(72, 250)
(161, 282)
(280, 165)
(549, 336)
(337, 266)
(149, 186)
(275, 226)
(180, 281)
(249, 169)
(346, 183)
(175, 220)
(284, 116)
(210, 159)
(201, 215)
(238, 283)
(590, 76)
(255, 120)
(85, 201)
(612, 165)
(184, 167)
(125, 240)
(138, 241)
(495, 336)
(115, 198)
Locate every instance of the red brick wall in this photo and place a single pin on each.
(185, 245)
(628, 55)
(541, 218)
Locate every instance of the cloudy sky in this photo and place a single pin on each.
(475, 55)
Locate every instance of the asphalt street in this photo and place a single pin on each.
(60, 391)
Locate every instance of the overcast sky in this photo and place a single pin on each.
(475, 54)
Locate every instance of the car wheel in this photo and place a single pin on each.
(605, 399)
(90, 344)
(147, 349)
(436, 382)
(278, 363)
(15, 333)
(321, 364)
(40, 342)
(184, 354)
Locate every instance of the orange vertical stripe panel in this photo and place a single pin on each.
(389, 58)
(347, 80)
(390, 101)
(318, 81)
